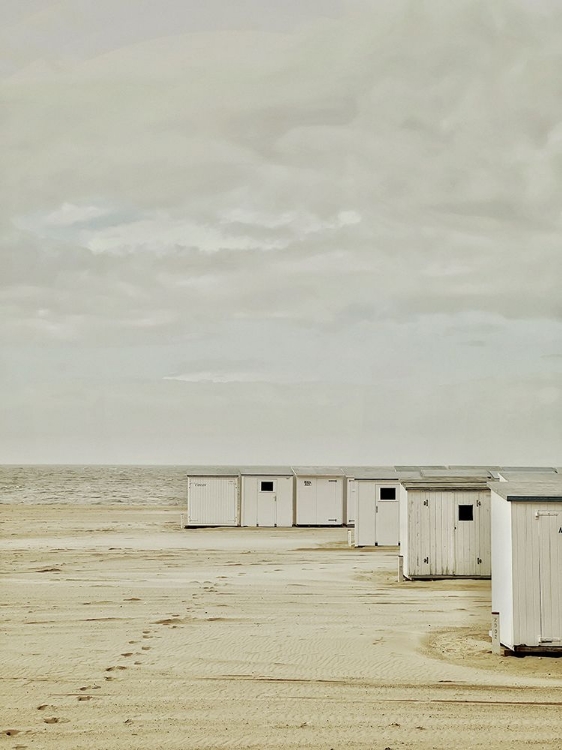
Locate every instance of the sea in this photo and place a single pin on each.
(93, 485)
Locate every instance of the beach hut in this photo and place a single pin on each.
(372, 496)
(527, 564)
(213, 496)
(267, 496)
(354, 474)
(319, 496)
(445, 525)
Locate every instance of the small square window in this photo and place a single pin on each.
(466, 513)
(388, 493)
(266, 486)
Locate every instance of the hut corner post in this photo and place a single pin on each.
(400, 568)
(495, 633)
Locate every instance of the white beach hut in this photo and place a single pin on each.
(354, 474)
(319, 496)
(213, 496)
(372, 496)
(445, 525)
(267, 496)
(527, 563)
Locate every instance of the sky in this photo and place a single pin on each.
(306, 232)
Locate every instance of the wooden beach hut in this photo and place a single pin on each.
(445, 525)
(527, 564)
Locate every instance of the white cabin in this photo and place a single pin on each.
(213, 496)
(352, 475)
(445, 526)
(527, 563)
(319, 496)
(267, 496)
(372, 500)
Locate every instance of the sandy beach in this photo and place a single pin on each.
(122, 630)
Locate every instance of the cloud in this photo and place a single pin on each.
(69, 214)
(102, 231)
(220, 377)
(341, 192)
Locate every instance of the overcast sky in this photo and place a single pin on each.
(308, 231)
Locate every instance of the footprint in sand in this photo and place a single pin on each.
(146, 648)
(127, 653)
(11, 732)
(55, 720)
(85, 697)
(88, 687)
(137, 663)
(111, 669)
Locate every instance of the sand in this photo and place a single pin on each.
(121, 630)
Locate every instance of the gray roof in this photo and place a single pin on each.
(318, 471)
(266, 471)
(465, 473)
(528, 476)
(530, 490)
(462, 469)
(408, 474)
(529, 469)
(212, 471)
(418, 468)
(370, 472)
(446, 483)
(401, 473)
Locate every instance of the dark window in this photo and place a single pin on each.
(266, 487)
(388, 493)
(466, 513)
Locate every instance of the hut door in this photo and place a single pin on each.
(267, 502)
(331, 509)
(467, 561)
(388, 517)
(550, 565)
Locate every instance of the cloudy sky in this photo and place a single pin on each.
(309, 231)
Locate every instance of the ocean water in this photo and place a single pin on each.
(93, 485)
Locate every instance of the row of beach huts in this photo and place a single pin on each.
(449, 521)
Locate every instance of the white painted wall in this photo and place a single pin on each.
(537, 573)
(404, 525)
(502, 566)
(275, 508)
(213, 501)
(319, 501)
(350, 501)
